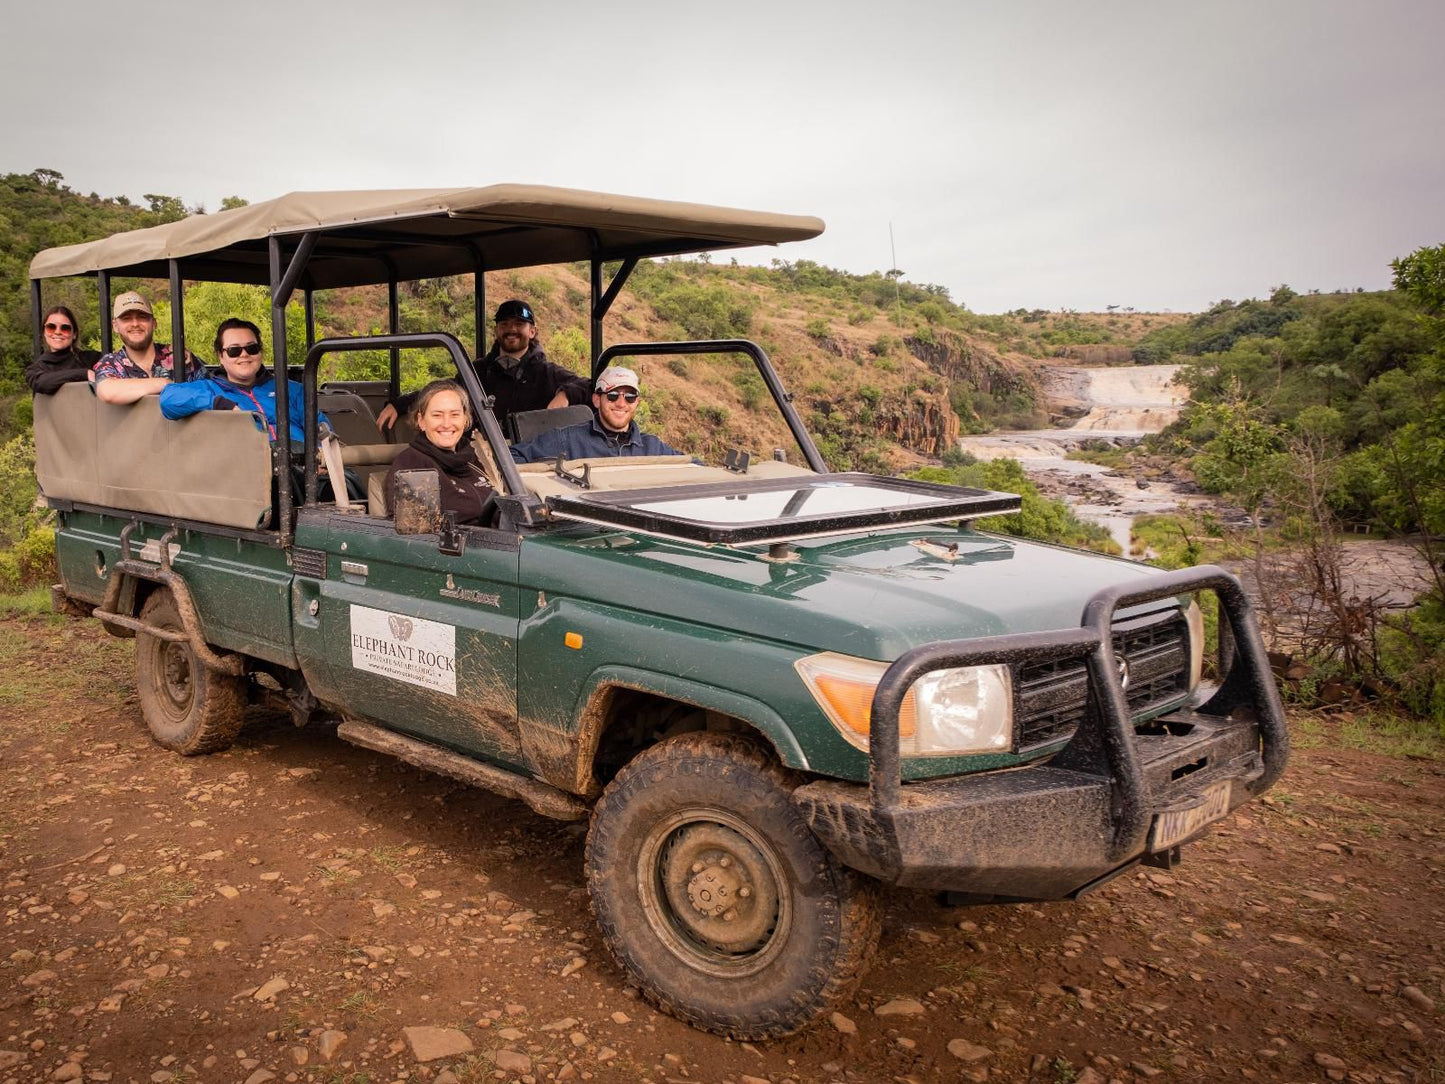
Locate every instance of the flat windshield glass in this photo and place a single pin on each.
(774, 509)
(811, 499)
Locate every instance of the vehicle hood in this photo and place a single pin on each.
(873, 596)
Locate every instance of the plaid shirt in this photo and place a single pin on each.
(117, 364)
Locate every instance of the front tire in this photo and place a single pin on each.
(188, 708)
(714, 896)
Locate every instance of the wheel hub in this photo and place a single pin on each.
(721, 890)
(714, 890)
(176, 672)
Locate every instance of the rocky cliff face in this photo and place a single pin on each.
(922, 423)
(954, 358)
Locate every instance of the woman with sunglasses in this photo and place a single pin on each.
(62, 362)
(443, 416)
(247, 385)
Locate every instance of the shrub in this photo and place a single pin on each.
(817, 328)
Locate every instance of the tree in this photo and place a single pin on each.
(1422, 275)
(230, 203)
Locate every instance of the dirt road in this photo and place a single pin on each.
(302, 910)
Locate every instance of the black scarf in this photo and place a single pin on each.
(461, 462)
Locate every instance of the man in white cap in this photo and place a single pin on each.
(612, 432)
(141, 366)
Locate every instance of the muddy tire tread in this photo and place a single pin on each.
(845, 951)
(219, 705)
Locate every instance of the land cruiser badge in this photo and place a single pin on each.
(404, 648)
(451, 590)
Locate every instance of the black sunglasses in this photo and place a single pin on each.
(58, 327)
(613, 396)
(250, 350)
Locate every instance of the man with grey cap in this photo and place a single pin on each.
(612, 432)
(141, 366)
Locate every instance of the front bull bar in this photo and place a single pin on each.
(1248, 682)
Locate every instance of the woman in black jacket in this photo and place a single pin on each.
(62, 362)
(443, 416)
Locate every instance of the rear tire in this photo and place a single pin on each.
(188, 707)
(714, 896)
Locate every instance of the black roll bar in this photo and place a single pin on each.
(483, 417)
(1249, 682)
(781, 397)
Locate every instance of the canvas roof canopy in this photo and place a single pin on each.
(368, 237)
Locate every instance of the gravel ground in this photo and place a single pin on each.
(303, 910)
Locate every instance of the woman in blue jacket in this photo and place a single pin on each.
(247, 385)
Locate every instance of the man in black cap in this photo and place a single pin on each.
(515, 372)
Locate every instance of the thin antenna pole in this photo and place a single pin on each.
(895, 275)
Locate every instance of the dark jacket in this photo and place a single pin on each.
(529, 386)
(589, 440)
(50, 370)
(464, 488)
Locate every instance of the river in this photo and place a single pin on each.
(1119, 405)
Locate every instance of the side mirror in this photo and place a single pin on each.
(417, 502)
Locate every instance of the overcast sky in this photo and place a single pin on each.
(1039, 154)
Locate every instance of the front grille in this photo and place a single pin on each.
(1053, 697)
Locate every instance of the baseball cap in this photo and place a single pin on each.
(514, 310)
(130, 301)
(616, 376)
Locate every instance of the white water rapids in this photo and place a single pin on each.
(1123, 404)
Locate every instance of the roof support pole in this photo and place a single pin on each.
(595, 269)
(282, 286)
(310, 318)
(479, 303)
(102, 280)
(602, 299)
(393, 325)
(178, 324)
(36, 313)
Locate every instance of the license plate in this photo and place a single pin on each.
(1174, 825)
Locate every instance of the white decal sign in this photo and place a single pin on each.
(405, 648)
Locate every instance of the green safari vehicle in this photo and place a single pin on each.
(771, 688)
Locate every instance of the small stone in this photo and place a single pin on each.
(621, 1018)
(381, 910)
(406, 880)
(69, 1071)
(159, 971)
(229, 892)
(746, 1079)
(969, 1052)
(1145, 1070)
(304, 773)
(39, 978)
(430, 1043)
(11, 1058)
(906, 1043)
(511, 1035)
(1419, 998)
(513, 1061)
(116, 870)
(574, 965)
(111, 1003)
(842, 1024)
(1328, 1061)
(267, 991)
(1088, 1075)
(567, 1023)
(606, 1054)
(329, 1043)
(899, 1006)
(260, 1076)
(299, 1055)
(271, 876)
